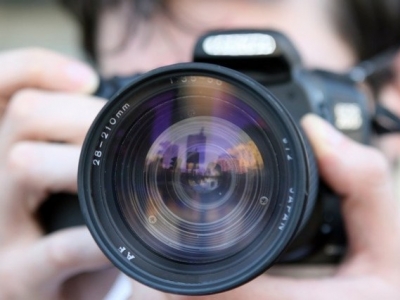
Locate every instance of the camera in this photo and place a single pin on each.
(196, 177)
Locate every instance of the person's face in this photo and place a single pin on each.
(162, 41)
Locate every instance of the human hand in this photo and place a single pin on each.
(361, 176)
(45, 115)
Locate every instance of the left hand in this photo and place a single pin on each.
(45, 112)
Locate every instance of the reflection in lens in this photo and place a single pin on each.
(202, 177)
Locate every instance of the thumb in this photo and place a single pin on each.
(361, 176)
(63, 254)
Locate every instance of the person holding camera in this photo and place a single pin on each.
(47, 108)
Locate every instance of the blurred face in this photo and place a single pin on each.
(165, 40)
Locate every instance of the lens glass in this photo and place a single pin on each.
(195, 172)
(194, 179)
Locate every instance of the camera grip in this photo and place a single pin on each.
(60, 211)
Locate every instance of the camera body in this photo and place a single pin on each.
(272, 60)
(180, 227)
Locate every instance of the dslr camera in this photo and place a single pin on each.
(196, 177)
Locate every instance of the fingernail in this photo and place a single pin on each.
(84, 77)
(322, 135)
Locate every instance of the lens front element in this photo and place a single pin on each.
(201, 180)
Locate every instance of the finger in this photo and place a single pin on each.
(34, 171)
(63, 254)
(47, 167)
(93, 285)
(362, 176)
(48, 116)
(39, 68)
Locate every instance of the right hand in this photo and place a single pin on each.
(45, 112)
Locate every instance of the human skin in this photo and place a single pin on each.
(46, 98)
(308, 23)
(41, 93)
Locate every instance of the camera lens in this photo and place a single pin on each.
(194, 179)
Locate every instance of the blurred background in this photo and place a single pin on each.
(39, 23)
(44, 23)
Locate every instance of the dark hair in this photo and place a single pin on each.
(369, 26)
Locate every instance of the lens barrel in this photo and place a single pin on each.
(194, 179)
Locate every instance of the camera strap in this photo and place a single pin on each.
(376, 72)
(384, 121)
